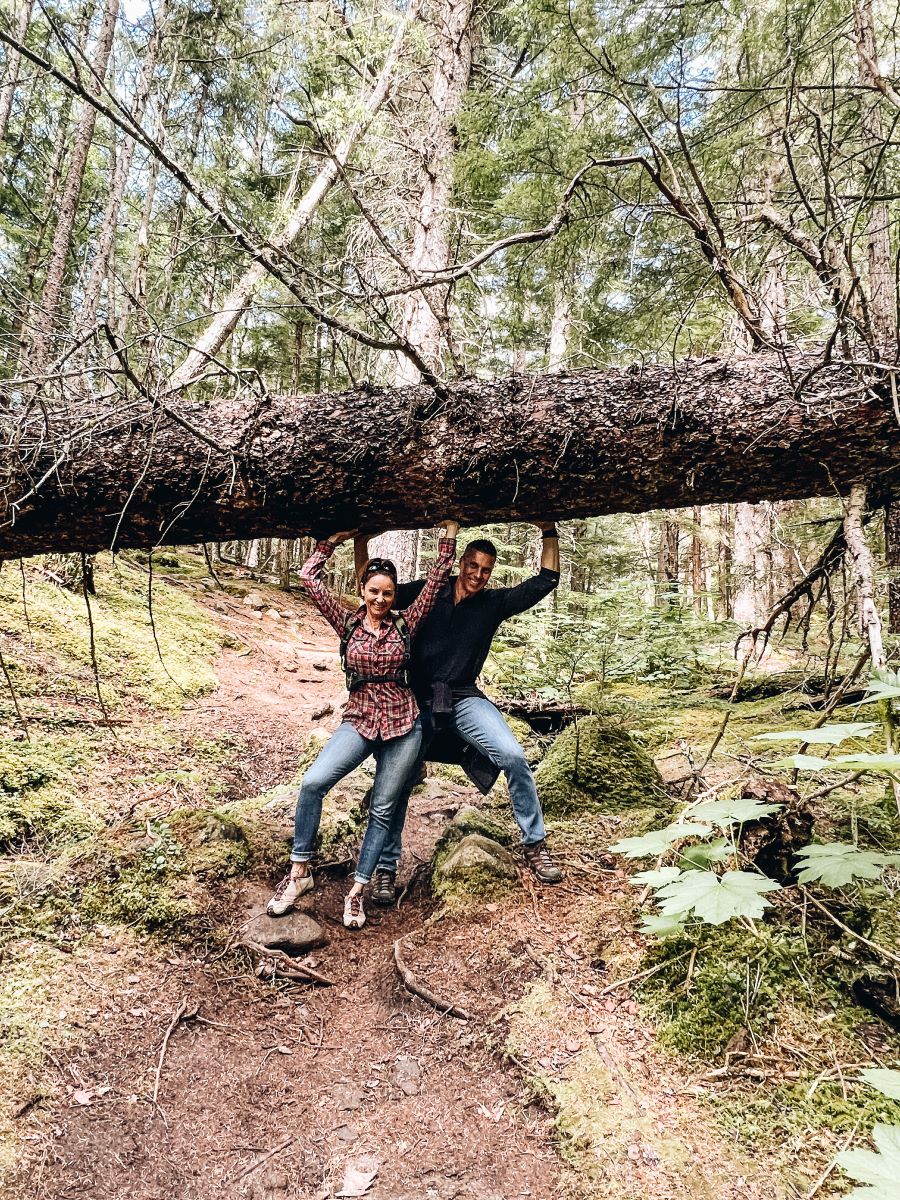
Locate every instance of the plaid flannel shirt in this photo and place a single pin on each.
(377, 710)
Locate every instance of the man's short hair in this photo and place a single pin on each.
(482, 546)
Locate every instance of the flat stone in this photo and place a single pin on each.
(294, 933)
(407, 1075)
(324, 710)
(320, 665)
(348, 1096)
(273, 613)
(346, 1134)
(255, 599)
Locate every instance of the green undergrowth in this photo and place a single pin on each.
(47, 645)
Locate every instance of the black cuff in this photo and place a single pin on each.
(554, 532)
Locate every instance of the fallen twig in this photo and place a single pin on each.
(264, 1158)
(179, 1013)
(412, 985)
(611, 987)
(881, 950)
(286, 967)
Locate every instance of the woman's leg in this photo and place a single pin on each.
(344, 751)
(395, 760)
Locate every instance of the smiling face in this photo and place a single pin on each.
(474, 571)
(378, 596)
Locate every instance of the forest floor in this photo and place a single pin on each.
(160, 1066)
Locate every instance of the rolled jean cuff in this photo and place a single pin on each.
(359, 879)
(301, 858)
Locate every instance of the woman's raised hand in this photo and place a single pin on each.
(451, 528)
(337, 538)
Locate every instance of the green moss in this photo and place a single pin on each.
(42, 790)
(598, 1117)
(595, 765)
(738, 981)
(49, 638)
(470, 820)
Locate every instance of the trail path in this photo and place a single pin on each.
(311, 1093)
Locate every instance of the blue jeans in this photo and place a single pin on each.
(343, 752)
(481, 724)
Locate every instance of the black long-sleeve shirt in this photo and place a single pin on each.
(454, 639)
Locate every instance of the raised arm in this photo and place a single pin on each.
(311, 577)
(435, 580)
(526, 594)
(549, 546)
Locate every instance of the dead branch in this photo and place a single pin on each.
(413, 986)
(179, 1014)
(285, 967)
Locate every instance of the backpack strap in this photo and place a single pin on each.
(400, 676)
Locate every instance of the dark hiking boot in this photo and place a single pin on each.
(538, 860)
(384, 888)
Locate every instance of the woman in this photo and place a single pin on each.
(381, 717)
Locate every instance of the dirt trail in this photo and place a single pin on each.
(278, 1092)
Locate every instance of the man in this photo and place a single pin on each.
(447, 656)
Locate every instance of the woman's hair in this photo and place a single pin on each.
(378, 566)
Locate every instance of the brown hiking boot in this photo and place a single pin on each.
(384, 887)
(538, 860)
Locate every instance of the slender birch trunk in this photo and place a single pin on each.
(295, 217)
(51, 296)
(87, 314)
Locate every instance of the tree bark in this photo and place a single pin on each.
(534, 447)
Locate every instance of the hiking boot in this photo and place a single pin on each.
(354, 913)
(288, 892)
(538, 860)
(384, 887)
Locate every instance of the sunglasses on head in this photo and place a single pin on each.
(380, 566)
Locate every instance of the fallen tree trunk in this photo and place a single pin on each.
(525, 447)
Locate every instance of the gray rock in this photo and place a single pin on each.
(407, 1075)
(324, 710)
(478, 856)
(254, 599)
(294, 933)
(347, 1096)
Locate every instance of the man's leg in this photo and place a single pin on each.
(482, 725)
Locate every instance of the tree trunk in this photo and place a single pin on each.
(22, 12)
(752, 537)
(535, 447)
(882, 287)
(425, 313)
(87, 314)
(51, 295)
(667, 563)
(296, 216)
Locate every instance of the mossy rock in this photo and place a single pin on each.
(477, 866)
(599, 767)
(468, 820)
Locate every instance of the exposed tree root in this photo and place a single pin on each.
(282, 966)
(413, 986)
